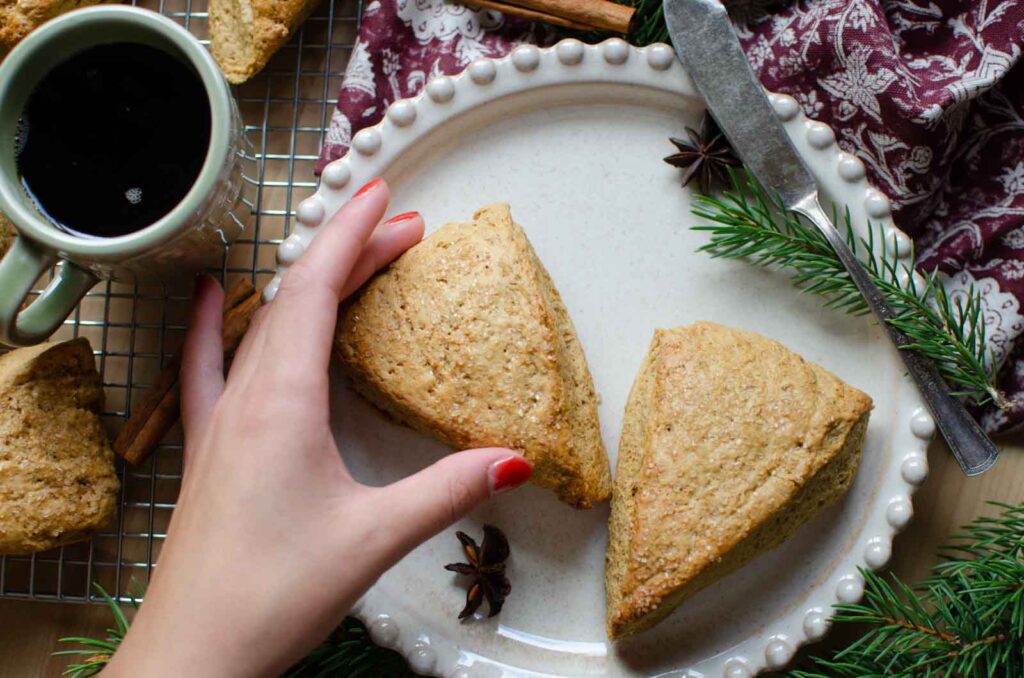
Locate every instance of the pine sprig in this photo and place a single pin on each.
(746, 222)
(349, 653)
(97, 653)
(965, 620)
(649, 23)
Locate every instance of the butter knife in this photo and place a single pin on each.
(710, 52)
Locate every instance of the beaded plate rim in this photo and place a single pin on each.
(375, 148)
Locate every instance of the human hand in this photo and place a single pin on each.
(272, 541)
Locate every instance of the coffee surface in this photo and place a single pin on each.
(113, 138)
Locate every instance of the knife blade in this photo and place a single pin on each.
(710, 52)
(707, 45)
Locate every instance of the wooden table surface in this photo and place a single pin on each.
(29, 630)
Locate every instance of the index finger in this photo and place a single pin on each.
(305, 309)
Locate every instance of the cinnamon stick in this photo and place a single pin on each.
(237, 293)
(160, 407)
(583, 15)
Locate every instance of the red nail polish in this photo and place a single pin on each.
(399, 218)
(367, 187)
(509, 473)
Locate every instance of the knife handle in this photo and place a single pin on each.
(971, 447)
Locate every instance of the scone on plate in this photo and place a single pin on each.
(730, 442)
(244, 34)
(465, 338)
(57, 478)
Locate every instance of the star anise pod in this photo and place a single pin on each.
(487, 568)
(705, 155)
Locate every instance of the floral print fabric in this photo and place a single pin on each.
(929, 94)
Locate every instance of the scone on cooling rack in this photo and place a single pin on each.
(466, 339)
(7, 234)
(18, 18)
(730, 443)
(57, 478)
(244, 34)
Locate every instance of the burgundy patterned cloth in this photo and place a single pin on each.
(927, 93)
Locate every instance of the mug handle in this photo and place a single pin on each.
(19, 270)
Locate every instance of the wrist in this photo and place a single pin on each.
(156, 650)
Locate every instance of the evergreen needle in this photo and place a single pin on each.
(965, 620)
(746, 222)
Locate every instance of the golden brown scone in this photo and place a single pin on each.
(244, 34)
(57, 479)
(7, 234)
(465, 338)
(18, 18)
(730, 442)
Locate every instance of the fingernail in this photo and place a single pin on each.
(508, 473)
(399, 218)
(367, 187)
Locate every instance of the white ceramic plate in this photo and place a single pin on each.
(572, 137)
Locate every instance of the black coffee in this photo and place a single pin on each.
(113, 138)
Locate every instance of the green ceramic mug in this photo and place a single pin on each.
(192, 236)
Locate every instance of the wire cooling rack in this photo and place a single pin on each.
(133, 329)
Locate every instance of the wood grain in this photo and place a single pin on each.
(946, 501)
(30, 632)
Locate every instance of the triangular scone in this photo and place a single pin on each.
(465, 338)
(244, 34)
(730, 442)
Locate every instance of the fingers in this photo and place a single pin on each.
(390, 240)
(420, 506)
(302, 316)
(202, 358)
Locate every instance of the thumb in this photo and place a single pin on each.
(425, 503)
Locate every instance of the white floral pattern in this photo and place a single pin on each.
(861, 16)
(810, 103)
(857, 86)
(339, 133)
(390, 66)
(1012, 179)
(1014, 239)
(441, 20)
(1012, 269)
(1000, 310)
(359, 74)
